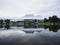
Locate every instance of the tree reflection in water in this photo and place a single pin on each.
(53, 28)
(7, 27)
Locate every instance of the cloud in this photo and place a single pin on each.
(19, 37)
(51, 9)
(18, 8)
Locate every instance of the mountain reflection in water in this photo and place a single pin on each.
(45, 35)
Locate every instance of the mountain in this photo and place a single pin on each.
(31, 16)
(38, 16)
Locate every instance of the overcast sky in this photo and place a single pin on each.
(19, 8)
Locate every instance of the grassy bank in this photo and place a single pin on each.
(48, 23)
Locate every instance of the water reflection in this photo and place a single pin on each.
(7, 27)
(1, 26)
(28, 36)
(53, 28)
(18, 37)
(42, 35)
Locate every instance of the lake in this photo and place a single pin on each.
(44, 35)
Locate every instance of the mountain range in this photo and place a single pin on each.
(31, 16)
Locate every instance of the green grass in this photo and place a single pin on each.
(45, 23)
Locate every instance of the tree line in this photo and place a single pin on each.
(53, 19)
(6, 21)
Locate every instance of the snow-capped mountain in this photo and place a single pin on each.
(31, 16)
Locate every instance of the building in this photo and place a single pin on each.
(31, 23)
(20, 23)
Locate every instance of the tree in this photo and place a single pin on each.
(54, 18)
(7, 21)
(45, 20)
(50, 19)
(1, 21)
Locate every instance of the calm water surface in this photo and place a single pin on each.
(30, 36)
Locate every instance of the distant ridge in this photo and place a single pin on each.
(29, 15)
(32, 16)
